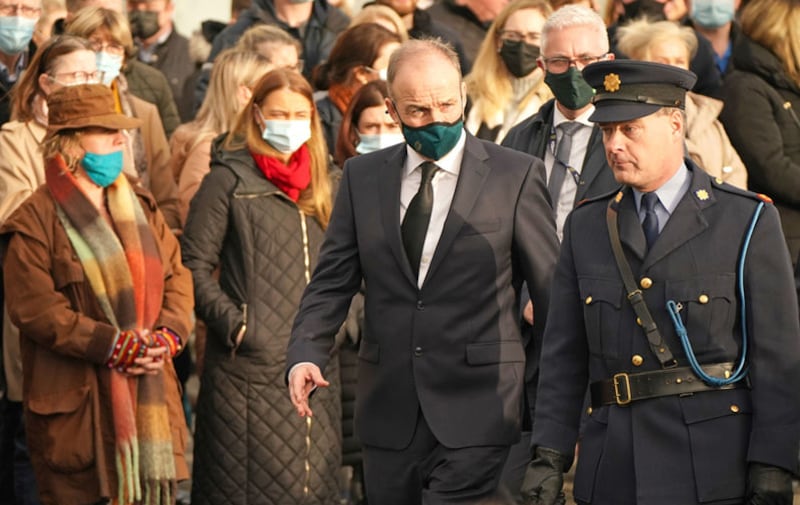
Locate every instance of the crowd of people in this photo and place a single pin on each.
(415, 252)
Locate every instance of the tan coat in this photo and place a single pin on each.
(22, 171)
(707, 142)
(190, 162)
(65, 341)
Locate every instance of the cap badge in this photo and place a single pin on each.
(702, 194)
(611, 82)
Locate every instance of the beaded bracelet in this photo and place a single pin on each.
(127, 347)
(169, 339)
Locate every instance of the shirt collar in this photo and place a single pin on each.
(450, 162)
(558, 117)
(22, 62)
(671, 192)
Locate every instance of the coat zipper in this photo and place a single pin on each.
(309, 423)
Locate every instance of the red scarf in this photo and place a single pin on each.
(291, 178)
(341, 95)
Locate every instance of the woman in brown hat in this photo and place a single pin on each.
(95, 284)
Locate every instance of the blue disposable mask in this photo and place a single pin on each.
(286, 136)
(110, 64)
(102, 169)
(368, 143)
(712, 13)
(15, 33)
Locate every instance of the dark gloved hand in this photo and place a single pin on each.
(768, 485)
(544, 478)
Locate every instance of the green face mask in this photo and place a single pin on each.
(570, 89)
(433, 140)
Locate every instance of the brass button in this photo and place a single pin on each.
(735, 409)
(678, 381)
(718, 180)
(589, 411)
(703, 299)
(638, 321)
(646, 283)
(637, 360)
(588, 300)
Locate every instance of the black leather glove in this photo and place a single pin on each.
(768, 485)
(544, 478)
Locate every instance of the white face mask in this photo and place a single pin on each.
(287, 136)
(372, 142)
(110, 64)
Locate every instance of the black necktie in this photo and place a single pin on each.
(559, 170)
(650, 223)
(418, 216)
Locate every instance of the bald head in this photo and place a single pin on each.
(421, 53)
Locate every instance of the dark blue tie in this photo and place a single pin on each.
(418, 216)
(650, 223)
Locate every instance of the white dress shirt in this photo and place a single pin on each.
(577, 154)
(444, 187)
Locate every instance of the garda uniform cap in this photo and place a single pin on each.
(84, 106)
(630, 89)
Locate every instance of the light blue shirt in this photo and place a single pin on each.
(669, 195)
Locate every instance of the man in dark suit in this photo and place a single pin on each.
(442, 230)
(572, 37)
(677, 307)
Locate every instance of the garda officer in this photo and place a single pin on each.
(674, 301)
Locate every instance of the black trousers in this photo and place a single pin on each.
(427, 473)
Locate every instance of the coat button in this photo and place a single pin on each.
(589, 411)
(637, 360)
(418, 351)
(646, 282)
(588, 300)
(703, 299)
(735, 409)
(420, 305)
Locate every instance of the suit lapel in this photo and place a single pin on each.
(470, 181)
(594, 163)
(630, 229)
(389, 183)
(687, 221)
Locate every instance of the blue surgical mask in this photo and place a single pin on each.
(15, 33)
(368, 143)
(712, 13)
(287, 136)
(102, 169)
(110, 64)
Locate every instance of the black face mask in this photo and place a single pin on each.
(638, 8)
(144, 24)
(519, 57)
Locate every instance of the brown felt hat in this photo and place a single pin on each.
(84, 106)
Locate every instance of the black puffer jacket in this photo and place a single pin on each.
(762, 119)
(250, 445)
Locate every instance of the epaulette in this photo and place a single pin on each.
(601, 197)
(730, 188)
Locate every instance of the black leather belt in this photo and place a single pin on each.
(625, 388)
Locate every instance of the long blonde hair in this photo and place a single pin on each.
(637, 38)
(232, 68)
(490, 81)
(775, 24)
(315, 200)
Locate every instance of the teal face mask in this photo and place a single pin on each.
(103, 169)
(433, 140)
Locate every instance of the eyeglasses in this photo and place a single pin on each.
(560, 64)
(109, 47)
(26, 11)
(516, 36)
(79, 77)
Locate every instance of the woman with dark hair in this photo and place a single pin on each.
(360, 55)
(259, 217)
(94, 282)
(366, 125)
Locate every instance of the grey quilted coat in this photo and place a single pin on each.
(250, 445)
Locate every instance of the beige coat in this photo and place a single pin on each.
(190, 162)
(22, 171)
(707, 142)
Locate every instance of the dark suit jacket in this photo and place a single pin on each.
(451, 348)
(532, 136)
(673, 449)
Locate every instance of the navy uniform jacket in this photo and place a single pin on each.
(672, 450)
(452, 348)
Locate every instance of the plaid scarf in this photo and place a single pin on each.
(125, 272)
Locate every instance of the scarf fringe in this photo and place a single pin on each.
(159, 492)
(127, 459)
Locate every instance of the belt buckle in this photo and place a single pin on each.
(621, 381)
